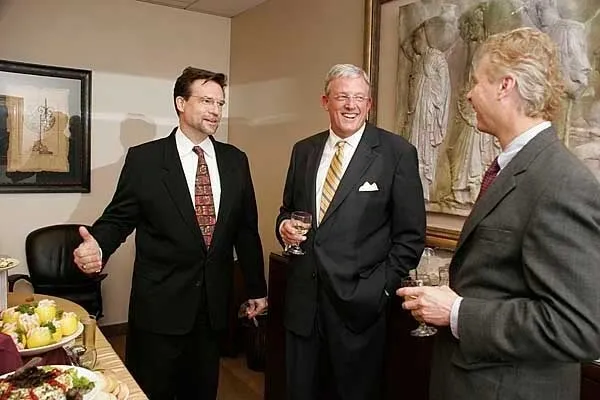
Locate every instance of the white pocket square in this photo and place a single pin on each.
(368, 187)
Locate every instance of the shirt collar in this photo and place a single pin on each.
(352, 140)
(185, 146)
(519, 142)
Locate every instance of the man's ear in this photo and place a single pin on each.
(507, 84)
(180, 102)
(325, 102)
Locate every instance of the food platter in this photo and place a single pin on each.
(7, 263)
(81, 372)
(39, 327)
(62, 342)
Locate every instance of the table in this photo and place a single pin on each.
(107, 358)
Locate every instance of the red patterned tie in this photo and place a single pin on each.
(203, 198)
(489, 177)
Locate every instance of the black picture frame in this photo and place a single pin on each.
(44, 144)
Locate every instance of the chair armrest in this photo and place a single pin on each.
(12, 279)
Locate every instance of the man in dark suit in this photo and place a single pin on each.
(191, 201)
(523, 307)
(362, 186)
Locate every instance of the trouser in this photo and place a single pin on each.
(334, 362)
(181, 367)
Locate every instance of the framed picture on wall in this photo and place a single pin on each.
(418, 54)
(44, 128)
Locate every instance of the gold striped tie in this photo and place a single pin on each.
(332, 180)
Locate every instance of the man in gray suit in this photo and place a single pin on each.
(523, 307)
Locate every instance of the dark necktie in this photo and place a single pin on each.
(203, 199)
(489, 177)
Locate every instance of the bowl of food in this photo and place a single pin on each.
(39, 327)
(50, 382)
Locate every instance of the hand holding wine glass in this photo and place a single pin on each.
(423, 329)
(300, 222)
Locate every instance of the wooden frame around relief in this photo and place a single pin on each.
(44, 128)
(442, 230)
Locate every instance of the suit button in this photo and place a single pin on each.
(197, 283)
(314, 275)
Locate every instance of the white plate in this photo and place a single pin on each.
(90, 375)
(7, 263)
(43, 349)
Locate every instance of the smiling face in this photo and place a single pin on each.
(201, 113)
(348, 103)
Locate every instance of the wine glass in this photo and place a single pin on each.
(301, 221)
(423, 330)
(85, 354)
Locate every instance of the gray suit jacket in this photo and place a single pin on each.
(528, 266)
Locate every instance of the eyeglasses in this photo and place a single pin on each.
(345, 98)
(209, 101)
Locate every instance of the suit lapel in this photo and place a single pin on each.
(505, 182)
(228, 188)
(313, 160)
(174, 180)
(362, 158)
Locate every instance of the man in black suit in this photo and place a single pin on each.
(191, 201)
(362, 186)
(523, 307)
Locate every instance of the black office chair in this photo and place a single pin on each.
(49, 253)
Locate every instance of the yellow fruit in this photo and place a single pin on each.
(68, 323)
(39, 337)
(9, 328)
(57, 335)
(46, 312)
(10, 316)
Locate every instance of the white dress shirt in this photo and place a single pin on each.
(189, 162)
(503, 159)
(328, 153)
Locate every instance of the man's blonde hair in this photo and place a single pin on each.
(531, 57)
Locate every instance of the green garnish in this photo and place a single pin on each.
(26, 308)
(59, 314)
(81, 383)
(50, 326)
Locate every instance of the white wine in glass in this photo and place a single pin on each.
(423, 329)
(301, 221)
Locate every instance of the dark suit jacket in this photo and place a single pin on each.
(366, 242)
(528, 266)
(172, 261)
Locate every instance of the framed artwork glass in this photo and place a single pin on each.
(44, 128)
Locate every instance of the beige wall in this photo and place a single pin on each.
(280, 53)
(135, 50)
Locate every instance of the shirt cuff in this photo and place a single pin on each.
(454, 317)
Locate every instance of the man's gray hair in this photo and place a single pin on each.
(345, 71)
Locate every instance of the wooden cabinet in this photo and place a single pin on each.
(407, 357)
(590, 381)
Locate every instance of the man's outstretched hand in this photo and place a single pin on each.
(87, 256)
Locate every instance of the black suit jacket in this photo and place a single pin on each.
(172, 261)
(367, 240)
